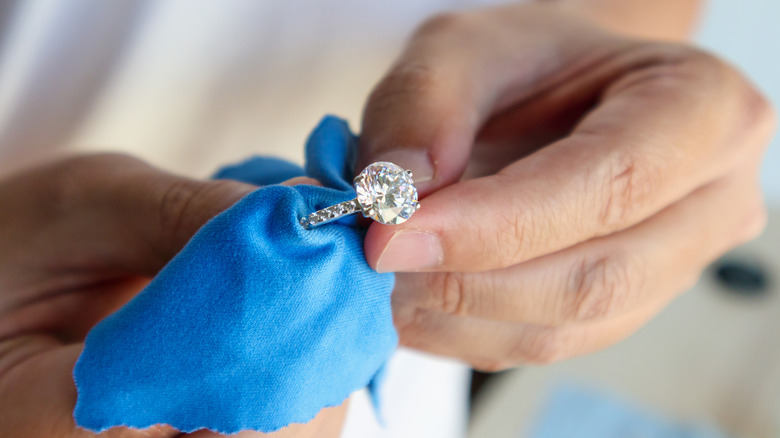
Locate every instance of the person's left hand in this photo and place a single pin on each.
(80, 237)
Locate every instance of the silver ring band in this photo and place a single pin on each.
(321, 217)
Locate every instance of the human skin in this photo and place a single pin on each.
(578, 170)
(80, 237)
(573, 245)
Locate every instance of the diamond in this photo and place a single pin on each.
(386, 193)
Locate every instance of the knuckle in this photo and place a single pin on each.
(416, 80)
(628, 182)
(750, 108)
(663, 67)
(184, 205)
(542, 347)
(702, 60)
(410, 324)
(660, 68)
(174, 205)
(416, 76)
(513, 242)
(515, 234)
(680, 65)
(174, 201)
(446, 23)
(449, 292)
(598, 287)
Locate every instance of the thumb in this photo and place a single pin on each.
(426, 111)
(144, 216)
(159, 211)
(461, 69)
(106, 213)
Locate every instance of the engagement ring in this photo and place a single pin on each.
(385, 193)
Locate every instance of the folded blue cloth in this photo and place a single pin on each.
(257, 323)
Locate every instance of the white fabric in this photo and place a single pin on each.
(190, 85)
(424, 396)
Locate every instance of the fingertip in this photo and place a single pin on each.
(402, 250)
(301, 180)
(375, 241)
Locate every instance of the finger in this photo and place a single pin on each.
(68, 316)
(107, 214)
(458, 70)
(301, 180)
(600, 278)
(37, 395)
(327, 424)
(495, 346)
(633, 155)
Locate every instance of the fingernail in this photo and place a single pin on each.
(416, 160)
(410, 251)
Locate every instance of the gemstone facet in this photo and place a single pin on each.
(386, 193)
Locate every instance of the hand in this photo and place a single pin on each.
(574, 180)
(78, 239)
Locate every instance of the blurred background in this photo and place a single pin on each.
(190, 86)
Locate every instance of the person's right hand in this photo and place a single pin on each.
(574, 180)
(80, 237)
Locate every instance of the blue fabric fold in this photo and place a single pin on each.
(257, 323)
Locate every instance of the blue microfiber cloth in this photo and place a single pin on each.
(257, 323)
(575, 411)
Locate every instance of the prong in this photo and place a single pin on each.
(358, 178)
(417, 206)
(409, 172)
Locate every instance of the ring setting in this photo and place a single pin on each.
(385, 193)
